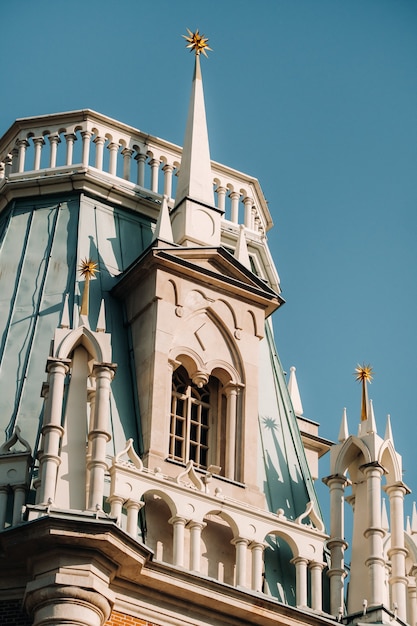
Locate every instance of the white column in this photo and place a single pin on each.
(154, 163)
(300, 563)
(86, 136)
(195, 544)
(141, 159)
(99, 435)
(127, 155)
(231, 395)
(113, 149)
(70, 138)
(18, 503)
(22, 145)
(116, 504)
(257, 551)
(52, 430)
(221, 198)
(337, 544)
(178, 525)
(316, 569)
(7, 165)
(247, 203)
(412, 600)
(375, 533)
(4, 496)
(54, 140)
(234, 209)
(133, 507)
(1, 170)
(397, 551)
(99, 141)
(38, 142)
(241, 552)
(168, 169)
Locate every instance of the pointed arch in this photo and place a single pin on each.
(85, 337)
(351, 448)
(388, 458)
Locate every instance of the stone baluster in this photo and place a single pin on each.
(14, 154)
(127, 156)
(300, 563)
(99, 141)
(141, 159)
(257, 551)
(253, 220)
(241, 545)
(168, 170)
(70, 138)
(221, 198)
(195, 544)
(1, 170)
(86, 137)
(375, 533)
(38, 142)
(4, 496)
(247, 203)
(52, 430)
(22, 144)
(336, 544)
(234, 209)
(99, 435)
(397, 551)
(178, 525)
(7, 165)
(133, 507)
(54, 140)
(316, 569)
(154, 163)
(113, 149)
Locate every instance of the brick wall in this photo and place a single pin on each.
(11, 614)
(120, 619)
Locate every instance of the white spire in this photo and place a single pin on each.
(101, 322)
(195, 179)
(408, 526)
(371, 423)
(414, 520)
(163, 229)
(241, 252)
(294, 392)
(65, 318)
(344, 430)
(388, 430)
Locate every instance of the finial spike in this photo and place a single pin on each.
(344, 430)
(364, 374)
(414, 520)
(388, 430)
(241, 252)
(163, 229)
(88, 269)
(371, 424)
(294, 392)
(408, 526)
(101, 322)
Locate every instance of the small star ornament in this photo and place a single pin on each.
(197, 43)
(88, 268)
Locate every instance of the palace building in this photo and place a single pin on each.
(155, 463)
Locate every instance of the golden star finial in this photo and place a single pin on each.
(197, 42)
(364, 374)
(88, 268)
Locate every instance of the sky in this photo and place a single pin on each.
(315, 98)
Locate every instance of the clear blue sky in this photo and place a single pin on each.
(318, 99)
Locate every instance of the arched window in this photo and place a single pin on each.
(193, 411)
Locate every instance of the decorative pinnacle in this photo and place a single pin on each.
(364, 374)
(197, 42)
(88, 269)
